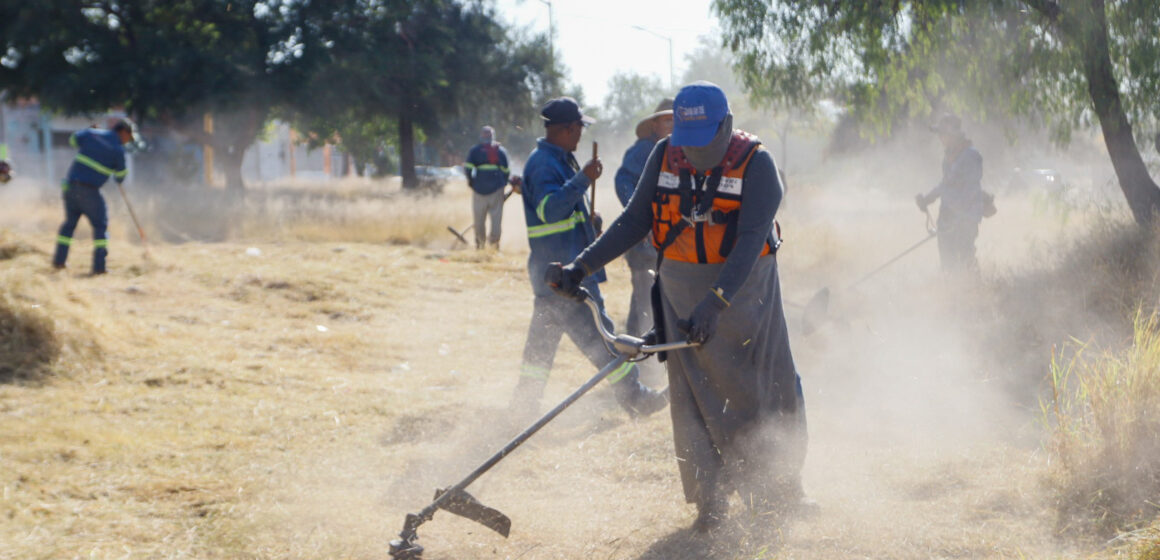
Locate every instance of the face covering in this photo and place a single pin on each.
(708, 156)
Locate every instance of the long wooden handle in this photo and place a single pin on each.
(595, 154)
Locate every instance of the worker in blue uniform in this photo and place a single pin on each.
(100, 155)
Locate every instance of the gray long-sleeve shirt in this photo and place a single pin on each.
(761, 197)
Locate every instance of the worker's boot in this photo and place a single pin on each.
(711, 511)
(639, 400)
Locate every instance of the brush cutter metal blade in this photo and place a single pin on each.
(458, 235)
(816, 312)
(465, 505)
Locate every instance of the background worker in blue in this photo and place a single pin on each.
(100, 155)
(487, 174)
(643, 256)
(709, 195)
(560, 226)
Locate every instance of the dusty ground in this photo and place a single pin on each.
(274, 397)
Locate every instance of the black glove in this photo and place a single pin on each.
(921, 201)
(598, 222)
(565, 279)
(703, 321)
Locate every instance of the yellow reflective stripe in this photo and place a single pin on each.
(534, 372)
(92, 163)
(100, 243)
(619, 373)
(62, 240)
(72, 140)
(487, 167)
(468, 166)
(556, 227)
(540, 208)
(505, 170)
(3, 150)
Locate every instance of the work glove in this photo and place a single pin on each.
(516, 182)
(565, 279)
(703, 322)
(922, 202)
(598, 223)
(5, 172)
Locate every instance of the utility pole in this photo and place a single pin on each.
(672, 75)
(551, 32)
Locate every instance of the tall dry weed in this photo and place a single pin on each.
(1104, 417)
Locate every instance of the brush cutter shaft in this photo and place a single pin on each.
(892, 261)
(414, 520)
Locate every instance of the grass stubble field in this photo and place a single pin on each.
(294, 391)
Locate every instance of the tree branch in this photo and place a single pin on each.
(1049, 8)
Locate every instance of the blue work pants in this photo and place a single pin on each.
(83, 200)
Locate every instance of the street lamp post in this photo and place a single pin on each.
(551, 31)
(672, 76)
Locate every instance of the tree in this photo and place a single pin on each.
(1062, 65)
(171, 61)
(421, 65)
(630, 97)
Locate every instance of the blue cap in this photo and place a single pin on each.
(563, 110)
(697, 111)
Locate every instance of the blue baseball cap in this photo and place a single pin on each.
(697, 111)
(563, 110)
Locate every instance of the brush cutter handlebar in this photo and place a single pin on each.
(629, 346)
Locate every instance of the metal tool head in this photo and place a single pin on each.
(465, 505)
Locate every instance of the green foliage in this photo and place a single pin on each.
(442, 67)
(630, 97)
(907, 59)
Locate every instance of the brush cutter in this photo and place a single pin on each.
(460, 235)
(815, 311)
(456, 500)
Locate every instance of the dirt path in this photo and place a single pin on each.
(296, 401)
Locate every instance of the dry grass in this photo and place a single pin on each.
(1105, 415)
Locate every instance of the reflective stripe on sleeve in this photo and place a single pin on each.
(556, 227)
(540, 208)
(100, 243)
(94, 165)
(62, 240)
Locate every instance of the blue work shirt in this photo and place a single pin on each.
(487, 168)
(556, 212)
(631, 167)
(100, 155)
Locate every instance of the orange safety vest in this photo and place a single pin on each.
(701, 208)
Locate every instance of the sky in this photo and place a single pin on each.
(596, 38)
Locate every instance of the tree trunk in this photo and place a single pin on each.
(230, 158)
(1141, 191)
(407, 151)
